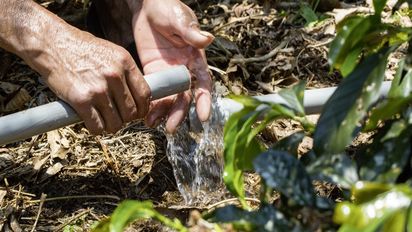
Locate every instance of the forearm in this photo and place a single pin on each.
(29, 31)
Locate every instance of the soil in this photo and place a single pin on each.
(68, 179)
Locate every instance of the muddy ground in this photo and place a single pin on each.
(70, 179)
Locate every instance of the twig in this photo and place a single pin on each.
(260, 58)
(75, 217)
(231, 200)
(110, 158)
(77, 197)
(18, 191)
(42, 198)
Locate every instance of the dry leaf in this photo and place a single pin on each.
(53, 170)
(57, 150)
(38, 163)
(14, 224)
(17, 102)
(2, 195)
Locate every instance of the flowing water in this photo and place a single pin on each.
(196, 154)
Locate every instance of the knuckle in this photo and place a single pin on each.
(113, 73)
(124, 57)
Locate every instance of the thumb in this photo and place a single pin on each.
(195, 37)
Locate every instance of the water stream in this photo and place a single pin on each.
(196, 154)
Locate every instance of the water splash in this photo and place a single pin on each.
(196, 154)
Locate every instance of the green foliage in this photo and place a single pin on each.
(129, 211)
(360, 51)
(308, 13)
(382, 207)
(241, 146)
(266, 218)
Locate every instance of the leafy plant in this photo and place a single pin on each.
(360, 51)
(129, 211)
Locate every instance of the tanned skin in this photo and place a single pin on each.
(99, 78)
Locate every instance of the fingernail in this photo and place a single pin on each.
(207, 34)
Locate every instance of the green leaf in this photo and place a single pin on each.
(308, 14)
(350, 34)
(399, 97)
(290, 143)
(348, 105)
(235, 148)
(381, 206)
(350, 61)
(294, 97)
(129, 211)
(240, 144)
(337, 168)
(379, 5)
(266, 218)
(387, 156)
(246, 101)
(284, 173)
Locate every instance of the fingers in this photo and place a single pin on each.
(139, 90)
(92, 119)
(203, 86)
(187, 28)
(178, 112)
(158, 111)
(123, 100)
(174, 107)
(110, 114)
(192, 35)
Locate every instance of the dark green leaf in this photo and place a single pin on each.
(387, 156)
(284, 173)
(337, 168)
(290, 144)
(267, 218)
(348, 105)
(379, 5)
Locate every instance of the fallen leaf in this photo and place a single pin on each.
(55, 140)
(53, 170)
(17, 102)
(2, 195)
(38, 163)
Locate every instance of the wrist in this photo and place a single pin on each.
(31, 32)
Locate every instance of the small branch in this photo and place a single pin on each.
(260, 58)
(75, 217)
(42, 198)
(77, 197)
(231, 200)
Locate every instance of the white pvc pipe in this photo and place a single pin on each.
(314, 99)
(51, 116)
(58, 114)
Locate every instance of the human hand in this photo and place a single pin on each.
(167, 34)
(99, 79)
